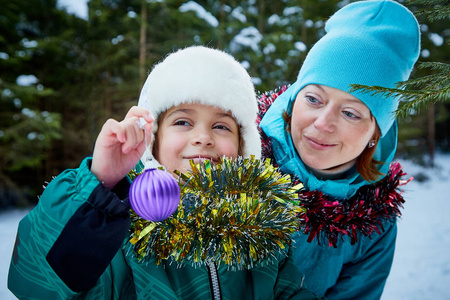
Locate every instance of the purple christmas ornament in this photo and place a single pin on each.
(154, 195)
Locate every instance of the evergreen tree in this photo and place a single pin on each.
(272, 38)
(62, 77)
(28, 123)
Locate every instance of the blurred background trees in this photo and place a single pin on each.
(62, 76)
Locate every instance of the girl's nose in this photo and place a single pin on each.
(203, 137)
(326, 120)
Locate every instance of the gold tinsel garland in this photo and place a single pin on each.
(240, 212)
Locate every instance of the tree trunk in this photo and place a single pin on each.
(143, 41)
(221, 33)
(261, 17)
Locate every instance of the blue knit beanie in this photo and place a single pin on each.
(374, 43)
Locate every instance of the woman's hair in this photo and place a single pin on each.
(366, 165)
(155, 148)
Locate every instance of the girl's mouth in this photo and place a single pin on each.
(201, 158)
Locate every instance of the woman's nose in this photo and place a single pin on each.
(326, 120)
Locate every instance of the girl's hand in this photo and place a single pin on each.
(120, 145)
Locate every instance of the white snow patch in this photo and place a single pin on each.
(200, 11)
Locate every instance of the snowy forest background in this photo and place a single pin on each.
(64, 73)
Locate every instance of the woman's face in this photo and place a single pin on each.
(330, 127)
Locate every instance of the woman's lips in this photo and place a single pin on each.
(319, 145)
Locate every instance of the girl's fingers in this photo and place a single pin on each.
(113, 127)
(134, 134)
(140, 112)
(130, 132)
(148, 131)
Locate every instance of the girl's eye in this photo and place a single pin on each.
(181, 123)
(222, 127)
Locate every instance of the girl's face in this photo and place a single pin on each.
(329, 127)
(198, 132)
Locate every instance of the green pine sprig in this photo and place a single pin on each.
(435, 9)
(416, 93)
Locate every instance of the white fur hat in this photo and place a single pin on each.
(208, 76)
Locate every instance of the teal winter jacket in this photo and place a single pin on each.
(359, 263)
(71, 246)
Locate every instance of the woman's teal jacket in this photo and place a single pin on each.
(70, 246)
(346, 271)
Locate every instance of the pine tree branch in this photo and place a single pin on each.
(426, 2)
(415, 93)
(411, 99)
(436, 81)
(434, 66)
(435, 9)
(422, 99)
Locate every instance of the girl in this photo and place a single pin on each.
(69, 246)
(339, 143)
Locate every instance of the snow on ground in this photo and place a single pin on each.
(9, 220)
(421, 268)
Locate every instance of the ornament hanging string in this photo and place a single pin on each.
(149, 162)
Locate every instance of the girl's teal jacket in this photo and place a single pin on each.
(70, 246)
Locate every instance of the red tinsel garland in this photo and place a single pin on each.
(264, 102)
(363, 213)
(330, 219)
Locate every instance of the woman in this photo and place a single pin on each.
(340, 143)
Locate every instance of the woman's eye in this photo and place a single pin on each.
(312, 100)
(351, 115)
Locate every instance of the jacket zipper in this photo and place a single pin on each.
(214, 280)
